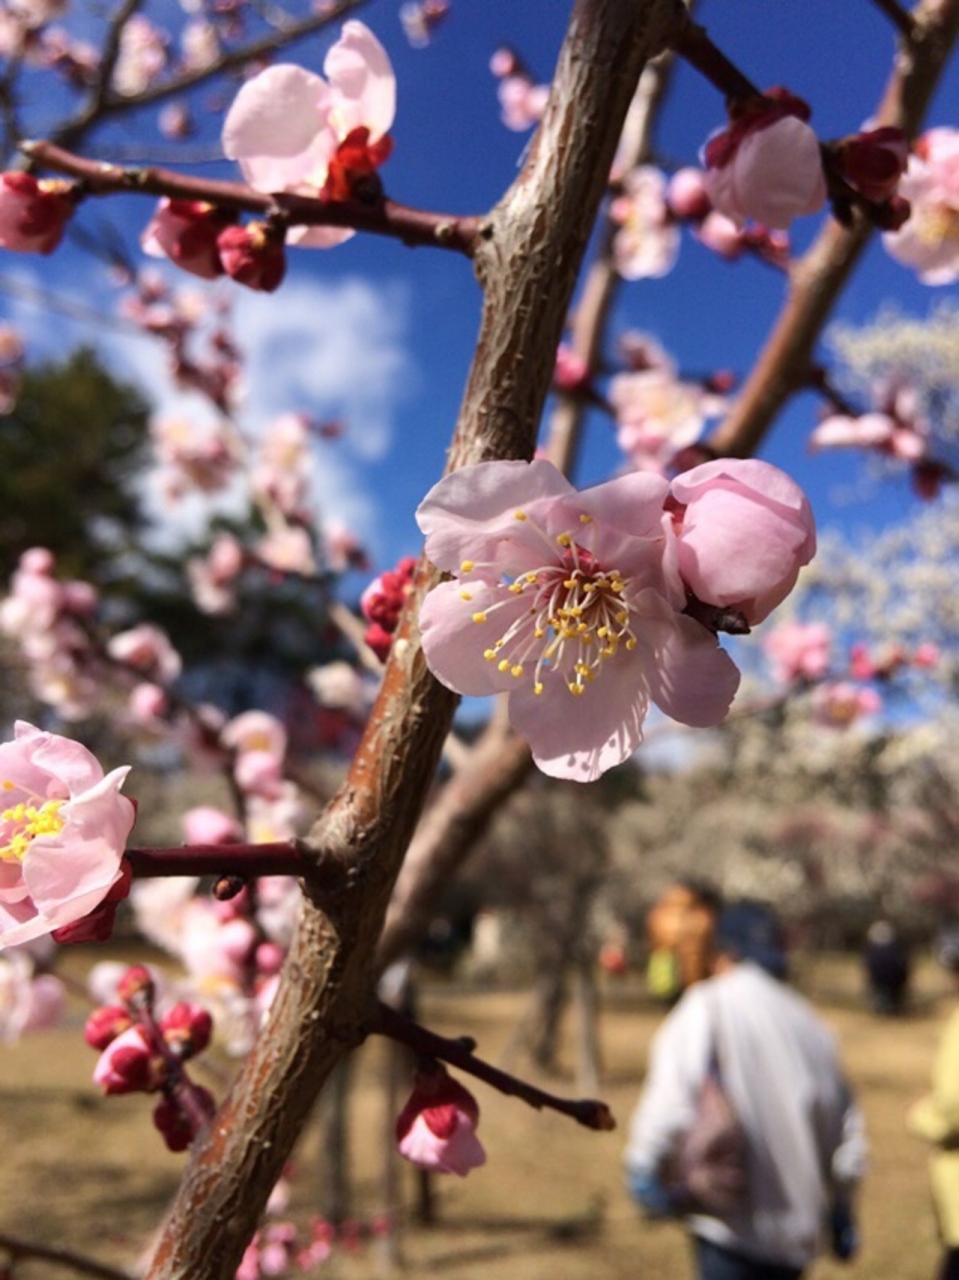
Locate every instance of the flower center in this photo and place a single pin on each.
(23, 822)
(577, 619)
(937, 224)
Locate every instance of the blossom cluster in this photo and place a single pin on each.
(611, 596)
(143, 1051)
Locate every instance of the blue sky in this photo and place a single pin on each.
(383, 335)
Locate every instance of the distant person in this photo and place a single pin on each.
(935, 1118)
(679, 928)
(802, 1141)
(886, 962)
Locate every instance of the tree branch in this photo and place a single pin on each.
(27, 1250)
(103, 104)
(816, 280)
(385, 217)
(278, 858)
(528, 262)
(385, 1021)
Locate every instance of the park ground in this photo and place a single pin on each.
(90, 1174)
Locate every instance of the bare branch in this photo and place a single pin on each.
(26, 1250)
(898, 16)
(695, 47)
(104, 104)
(276, 858)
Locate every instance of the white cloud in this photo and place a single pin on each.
(335, 349)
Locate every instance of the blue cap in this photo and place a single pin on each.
(750, 931)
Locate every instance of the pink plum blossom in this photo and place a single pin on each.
(146, 649)
(287, 126)
(841, 703)
(798, 650)
(898, 428)
(33, 213)
(128, 1064)
(522, 101)
(205, 824)
(687, 195)
(287, 548)
(63, 828)
(420, 18)
(646, 244)
(766, 165)
(193, 456)
(929, 239)
(28, 1001)
(558, 595)
(142, 56)
(436, 1130)
(745, 531)
(213, 577)
(657, 415)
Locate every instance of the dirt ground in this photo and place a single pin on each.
(89, 1173)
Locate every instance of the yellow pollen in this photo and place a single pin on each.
(489, 655)
(466, 595)
(538, 687)
(503, 665)
(584, 518)
(519, 515)
(28, 822)
(516, 671)
(515, 588)
(577, 689)
(631, 643)
(564, 540)
(479, 617)
(467, 566)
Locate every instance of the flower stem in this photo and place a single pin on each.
(275, 858)
(694, 45)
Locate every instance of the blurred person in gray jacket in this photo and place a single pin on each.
(802, 1146)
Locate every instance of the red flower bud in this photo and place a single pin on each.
(105, 1024)
(187, 1029)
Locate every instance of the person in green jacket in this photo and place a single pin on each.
(935, 1119)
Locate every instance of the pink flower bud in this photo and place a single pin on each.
(252, 256)
(436, 1130)
(136, 988)
(177, 1122)
(33, 213)
(572, 371)
(873, 161)
(687, 196)
(745, 531)
(187, 1029)
(186, 231)
(127, 1065)
(766, 165)
(105, 1024)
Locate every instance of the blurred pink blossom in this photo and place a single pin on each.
(657, 415)
(841, 703)
(798, 650)
(253, 256)
(929, 240)
(148, 650)
(646, 244)
(205, 824)
(33, 213)
(142, 56)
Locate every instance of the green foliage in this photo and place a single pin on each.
(69, 455)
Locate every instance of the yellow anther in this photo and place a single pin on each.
(576, 689)
(584, 518)
(519, 515)
(7, 785)
(516, 671)
(467, 566)
(602, 632)
(538, 687)
(539, 633)
(479, 617)
(631, 643)
(564, 540)
(622, 618)
(489, 655)
(582, 628)
(466, 595)
(503, 665)
(515, 588)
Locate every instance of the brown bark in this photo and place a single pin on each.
(527, 262)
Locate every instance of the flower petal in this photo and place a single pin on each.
(362, 82)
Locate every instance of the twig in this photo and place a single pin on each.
(898, 16)
(385, 218)
(695, 47)
(20, 1249)
(272, 858)
(386, 1021)
(102, 106)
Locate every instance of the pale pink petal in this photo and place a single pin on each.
(778, 173)
(362, 82)
(690, 677)
(318, 237)
(277, 127)
(470, 511)
(454, 644)
(868, 431)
